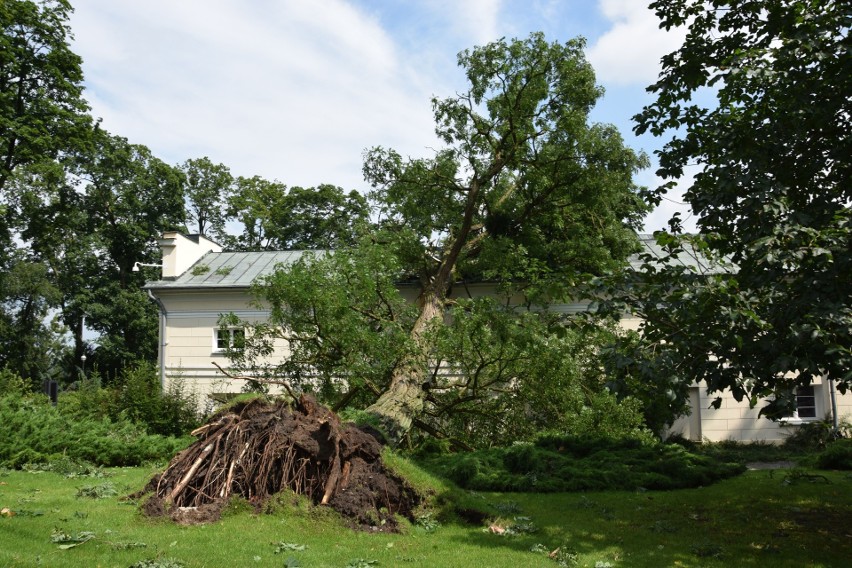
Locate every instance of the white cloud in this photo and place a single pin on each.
(289, 90)
(630, 52)
(671, 203)
(479, 19)
(296, 90)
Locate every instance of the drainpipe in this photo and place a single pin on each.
(833, 405)
(163, 322)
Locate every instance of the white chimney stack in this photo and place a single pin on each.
(182, 251)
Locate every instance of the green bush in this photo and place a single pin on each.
(605, 416)
(463, 470)
(11, 382)
(817, 435)
(32, 430)
(568, 463)
(838, 455)
(137, 396)
(521, 458)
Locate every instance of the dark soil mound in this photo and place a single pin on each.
(256, 449)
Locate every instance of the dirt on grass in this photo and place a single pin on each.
(258, 448)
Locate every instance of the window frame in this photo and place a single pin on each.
(812, 393)
(812, 407)
(232, 334)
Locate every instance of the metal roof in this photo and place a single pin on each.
(687, 257)
(231, 269)
(216, 270)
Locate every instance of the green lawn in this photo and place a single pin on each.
(761, 518)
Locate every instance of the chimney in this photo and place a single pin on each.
(182, 251)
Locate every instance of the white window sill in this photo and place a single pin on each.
(796, 421)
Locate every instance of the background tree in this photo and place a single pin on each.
(89, 220)
(44, 122)
(758, 97)
(526, 192)
(275, 218)
(322, 217)
(131, 197)
(207, 189)
(54, 225)
(30, 342)
(255, 204)
(42, 111)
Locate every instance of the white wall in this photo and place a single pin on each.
(192, 319)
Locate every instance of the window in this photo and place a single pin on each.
(806, 405)
(230, 338)
(806, 402)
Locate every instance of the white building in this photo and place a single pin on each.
(200, 283)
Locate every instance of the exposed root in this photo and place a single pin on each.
(257, 449)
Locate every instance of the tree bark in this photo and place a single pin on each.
(404, 399)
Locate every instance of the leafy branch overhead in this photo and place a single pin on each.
(758, 97)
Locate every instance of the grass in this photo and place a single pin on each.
(779, 518)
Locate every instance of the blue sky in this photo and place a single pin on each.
(295, 90)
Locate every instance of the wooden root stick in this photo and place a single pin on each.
(183, 482)
(336, 465)
(226, 489)
(284, 384)
(331, 484)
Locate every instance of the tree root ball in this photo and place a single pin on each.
(257, 448)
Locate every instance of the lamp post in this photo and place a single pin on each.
(83, 361)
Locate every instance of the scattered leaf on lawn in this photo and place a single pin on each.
(66, 541)
(288, 546)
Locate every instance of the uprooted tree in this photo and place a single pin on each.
(527, 196)
(257, 449)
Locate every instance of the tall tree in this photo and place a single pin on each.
(42, 111)
(278, 218)
(130, 197)
(322, 217)
(257, 204)
(758, 97)
(30, 343)
(525, 191)
(207, 188)
(54, 225)
(43, 122)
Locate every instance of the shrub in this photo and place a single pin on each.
(817, 435)
(11, 382)
(463, 470)
(137, 396)
(838, 455)
(521, 458)
(32, 430)
(142, 399)
(568, 463)
(605, 416)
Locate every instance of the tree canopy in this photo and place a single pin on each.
(758, 97)
(79, 206)
(526, 192)
(274, 217)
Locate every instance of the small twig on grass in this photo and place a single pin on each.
(797, 475)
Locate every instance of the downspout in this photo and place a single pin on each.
(162, 350)
(833, 399)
